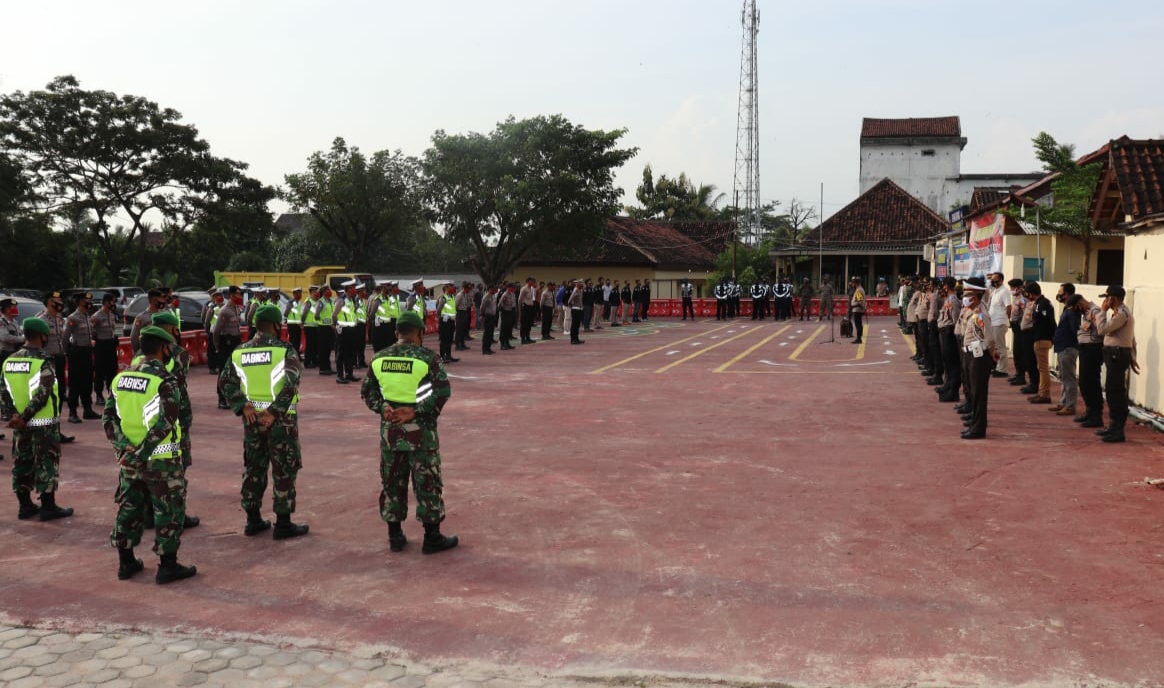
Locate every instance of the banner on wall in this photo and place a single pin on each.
(961, 261)
(985, 245)
(941, 262)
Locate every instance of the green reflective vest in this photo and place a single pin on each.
(401, 379)
(388, 309)
(135, 393)
(346, 315)
(309, 313)
(261, 374)
(326, 312)
(295, 313)
(22, 378)
(214, 315)
(361, 310)
(449, 309)
(418, 306)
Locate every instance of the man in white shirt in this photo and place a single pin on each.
(1001, 302)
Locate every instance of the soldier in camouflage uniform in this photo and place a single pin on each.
(141, 420)
(179, 367)
(261, 383)
(408, 388)
(30, 400)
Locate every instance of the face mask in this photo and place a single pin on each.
(167, 353)
(965, 302)
(1059, 298)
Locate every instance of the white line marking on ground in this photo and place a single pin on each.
(853, 365)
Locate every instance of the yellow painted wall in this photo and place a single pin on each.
(1063, 256)
(1144, 280)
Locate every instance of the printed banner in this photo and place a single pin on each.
(985, 245)
(941, 262)
(962, 262)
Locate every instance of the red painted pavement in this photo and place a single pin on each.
(812, 520)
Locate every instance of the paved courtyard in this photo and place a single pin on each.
(738, 502)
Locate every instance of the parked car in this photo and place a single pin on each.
(190, 305)
(26, 308)
(124, 296)
(34, 294)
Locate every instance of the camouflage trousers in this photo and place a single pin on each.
(278, 449)
(160, 486)
(424, 466)
(36, 459)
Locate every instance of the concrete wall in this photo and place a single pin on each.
(923, 176)
(1144, 280)
(1063, 255)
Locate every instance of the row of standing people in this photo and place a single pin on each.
(962, 344)
(148, 416)
(778, 299)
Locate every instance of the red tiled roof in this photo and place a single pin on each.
(884, 217)
(1139, 170)
(625, 241)
(873, 128)
(989, 196)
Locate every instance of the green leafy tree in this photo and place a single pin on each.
(359, 201)
(297, 251)
(674, 199)
(1071, 192)
(533, 182)
(33, 256)
(126, 162)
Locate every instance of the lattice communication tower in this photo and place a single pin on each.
(746, 185)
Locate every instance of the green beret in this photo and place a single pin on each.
(166, 318)
(269, 313)
(411, 318)
(35, 326)
(154, 331)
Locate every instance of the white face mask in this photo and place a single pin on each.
(965, 302)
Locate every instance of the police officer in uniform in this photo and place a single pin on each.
(293, 316)
(488, 313)
(79, 337)
(464, 318)
(386, 312)
(507, 307)
(30, 400)
(11, 337)
(687, 293)
(1118, 328)
(407, 388)
(209, 318)
(978, 347)
(325, 330)
(347, 327)
(446, 307)
(757, 293)
(310, 327)
(227, 334)
(104, 323)
(142, 422)
(826, 298)
(721, 294)
(262, 384)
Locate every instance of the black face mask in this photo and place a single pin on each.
(1060, 298)
(167, 354)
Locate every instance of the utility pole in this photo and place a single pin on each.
(747, 176)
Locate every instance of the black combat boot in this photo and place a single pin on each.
(1115, 432)
(255, 523)
(129, 564)
(285, 529)
(28, 508)
(189, 522)
(1093, 420)
(435, 542)
(49, 511)
(396, 539)
(170, 570)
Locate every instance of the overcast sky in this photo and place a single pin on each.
(268, 83)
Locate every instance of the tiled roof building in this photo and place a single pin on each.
(884, 219)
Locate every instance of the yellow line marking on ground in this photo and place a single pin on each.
(804, 345)
(704, 350)
(909, 343)
(658, 348)
(739, 358)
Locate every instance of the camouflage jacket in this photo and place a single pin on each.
(181, 372)
(44, 393)
(417, 434)
(129, 456)
(292, 371)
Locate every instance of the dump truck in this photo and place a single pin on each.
(283, 281)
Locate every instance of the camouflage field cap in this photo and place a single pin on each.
(411, 318)
(166, 318)
(35, 326)
(155, 331)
